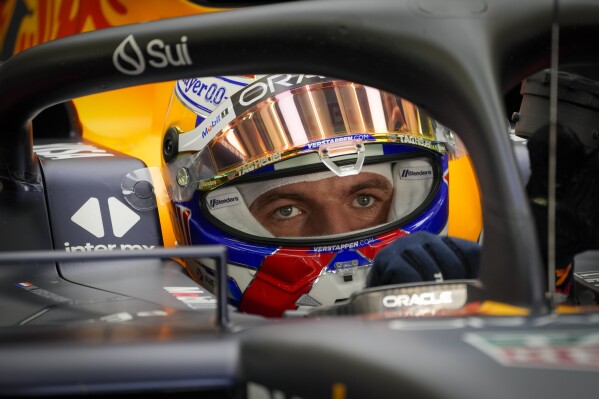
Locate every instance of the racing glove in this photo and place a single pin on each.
(423, 256)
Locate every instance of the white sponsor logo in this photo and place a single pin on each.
(427, 298)
(317, 144)
(260, 89)
(129, 59)
(349, 245)
(69, 151)
(203, 95)
(104, 247)
(199, 137)
(89, 217)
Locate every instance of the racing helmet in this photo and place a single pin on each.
(304, 178)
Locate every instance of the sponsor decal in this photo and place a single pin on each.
(348, 245)
(104, 247)
(89, 217)
(198, 138)
(223, 201)
(213, 123)
(423, 299)
(316, 144)
(207, 184)
(204, 276)
(416, 173)
(69, 151)
(421, 142)
(242, 170)
(193, 297)
(270, 86)
(258, 163)
(27, 286)
(203, 95)
(563, 349)
(128, 58)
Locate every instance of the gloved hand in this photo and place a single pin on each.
(423, 256)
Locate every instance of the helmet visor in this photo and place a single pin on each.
(277, 118)
(321, 204)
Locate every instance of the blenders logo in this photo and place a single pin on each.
(416, 173)
(129, 59)
(223, 201)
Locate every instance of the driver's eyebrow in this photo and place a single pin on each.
(275, 195)
(376, 183)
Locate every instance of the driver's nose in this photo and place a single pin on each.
(332, 220)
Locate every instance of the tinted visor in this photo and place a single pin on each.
(242, 138)
(314, 113)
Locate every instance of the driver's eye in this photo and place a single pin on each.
(287, 211)
(363, 200)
